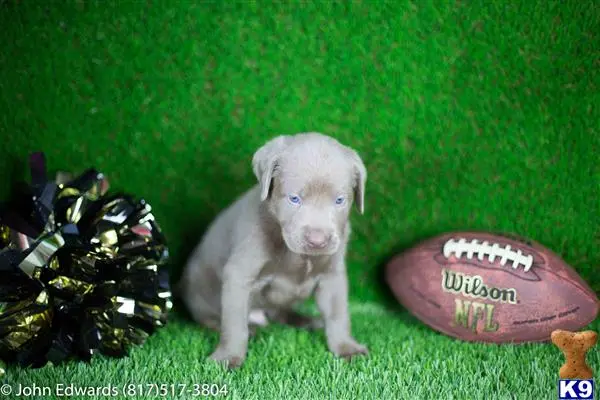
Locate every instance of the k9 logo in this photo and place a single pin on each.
(576, 389)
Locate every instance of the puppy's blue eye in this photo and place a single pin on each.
(294, 199)
(339, 200)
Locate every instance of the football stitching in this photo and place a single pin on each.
(472, 248)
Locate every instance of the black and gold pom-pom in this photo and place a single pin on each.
(80, 271)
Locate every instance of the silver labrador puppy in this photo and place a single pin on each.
(280, 242)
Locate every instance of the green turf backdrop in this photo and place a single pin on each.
(468, 115)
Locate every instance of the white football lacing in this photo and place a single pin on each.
(483, 249)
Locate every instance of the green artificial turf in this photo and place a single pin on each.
(407, 361)
(468, 114)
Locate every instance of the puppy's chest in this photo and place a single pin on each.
(289, 278)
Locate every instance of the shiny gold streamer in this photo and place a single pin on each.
(94, 278)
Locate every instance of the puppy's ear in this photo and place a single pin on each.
(264, 163)
(360, 180)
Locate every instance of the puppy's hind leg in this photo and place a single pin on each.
(214, 325)
(210, 323)
(295, 319)
(199, 290)
(202, 312)
(256, 319)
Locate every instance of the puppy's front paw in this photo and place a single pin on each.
(228, 358)
(348, 349)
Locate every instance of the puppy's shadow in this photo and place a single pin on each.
(388, 300)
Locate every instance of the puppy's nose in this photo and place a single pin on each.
(317, 238)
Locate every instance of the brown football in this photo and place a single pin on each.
(488, 287)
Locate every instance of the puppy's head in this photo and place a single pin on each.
(309, 182)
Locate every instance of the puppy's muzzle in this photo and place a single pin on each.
(317, 238)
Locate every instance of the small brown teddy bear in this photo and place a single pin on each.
(574, 345)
